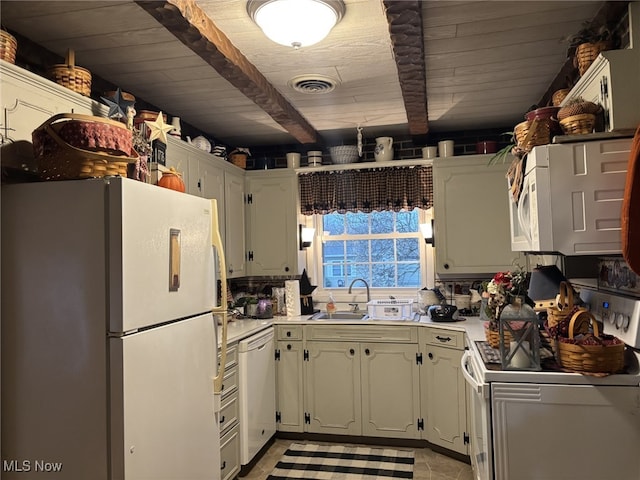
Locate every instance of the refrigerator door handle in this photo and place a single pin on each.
(216, 241)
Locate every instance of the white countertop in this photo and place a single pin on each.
(243, 328)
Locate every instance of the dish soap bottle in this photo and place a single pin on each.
(331, 305)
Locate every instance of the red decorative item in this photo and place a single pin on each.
(172, 180)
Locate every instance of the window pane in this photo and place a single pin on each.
(382, 251)
(333, 224)
(384, 275)
(357, 223)
(359, 271)
(409, 274)
(382, 222)
(407, 221)
(408, 249)
(358, 250)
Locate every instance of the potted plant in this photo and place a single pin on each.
(588, 42)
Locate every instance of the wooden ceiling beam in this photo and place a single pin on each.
(190, 24)
(407, 38)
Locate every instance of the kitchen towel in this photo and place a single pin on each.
(342, 462)
(292, 297)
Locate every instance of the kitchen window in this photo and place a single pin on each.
(383, 247)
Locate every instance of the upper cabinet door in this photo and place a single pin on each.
(234, 224)
(272, 235)
(471, 216)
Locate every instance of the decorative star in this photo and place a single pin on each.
(117, 105)
(159, 129)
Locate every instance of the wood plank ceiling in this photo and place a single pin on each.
(399, 67)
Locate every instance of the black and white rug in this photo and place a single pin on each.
(342, 462)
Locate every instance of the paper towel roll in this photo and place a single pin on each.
(292, 297)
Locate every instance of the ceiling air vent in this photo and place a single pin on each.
(313, 84)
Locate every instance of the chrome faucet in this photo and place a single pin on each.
(365, 284)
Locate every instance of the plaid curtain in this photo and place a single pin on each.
(367, 190)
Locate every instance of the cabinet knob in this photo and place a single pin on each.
(289, 347)
(430, 356)
(286, 269)
(367, 351)
(231, 270)
(352, 351)
(446, 265)
(288, 334)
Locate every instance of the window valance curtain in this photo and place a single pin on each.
(367, 190)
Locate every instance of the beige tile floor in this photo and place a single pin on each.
(429, 465)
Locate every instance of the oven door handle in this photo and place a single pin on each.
(478, 388)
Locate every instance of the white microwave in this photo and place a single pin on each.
(571, 199)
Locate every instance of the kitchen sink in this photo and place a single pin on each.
(340, 316)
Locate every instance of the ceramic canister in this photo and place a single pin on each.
(293, 160)
(445, 148)
(429, 152)
(314, 158)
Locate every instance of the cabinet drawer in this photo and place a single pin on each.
(230, 454)
(293, 332)
(229, 382)
(443, 337)
(232, 355)
(369, 333)
(229, 413)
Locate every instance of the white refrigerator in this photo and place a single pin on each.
(109, 339)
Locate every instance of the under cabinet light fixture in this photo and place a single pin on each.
(306, 236)
(296, 23)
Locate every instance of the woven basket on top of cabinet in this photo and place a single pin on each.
(69, 75)
(73, 146)
(8, 47)
(528, 134)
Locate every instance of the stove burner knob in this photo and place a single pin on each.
(625, 323)
(620, 321)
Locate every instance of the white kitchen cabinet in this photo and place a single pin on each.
(611, 81)
(362, 381)
(289, 379)
(443, 389)
(390, 379)
(271, 222)
(471, 217)
(333, 392)
(29, 99)
(234, 222)
(229, 416)
(208, 176)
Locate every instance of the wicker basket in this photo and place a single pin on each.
(586, 53)
(8, 47)
(589, 358)
(62, 154)
(559, 95)
(529, 134)
(578, 124)
(239, 159)
(493, 337)
(564, 305)
(74, 78)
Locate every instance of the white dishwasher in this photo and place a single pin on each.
(257, 393)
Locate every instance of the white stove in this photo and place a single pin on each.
(532, 425)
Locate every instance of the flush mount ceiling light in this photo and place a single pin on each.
(296, 23)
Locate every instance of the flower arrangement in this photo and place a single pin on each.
(502, 288)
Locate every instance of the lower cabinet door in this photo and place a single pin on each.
(289, 387)
(333, 388)
(390, 390)
(444, 398)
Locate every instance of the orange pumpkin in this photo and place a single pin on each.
(172, 180)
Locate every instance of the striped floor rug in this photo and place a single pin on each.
(342, 462)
